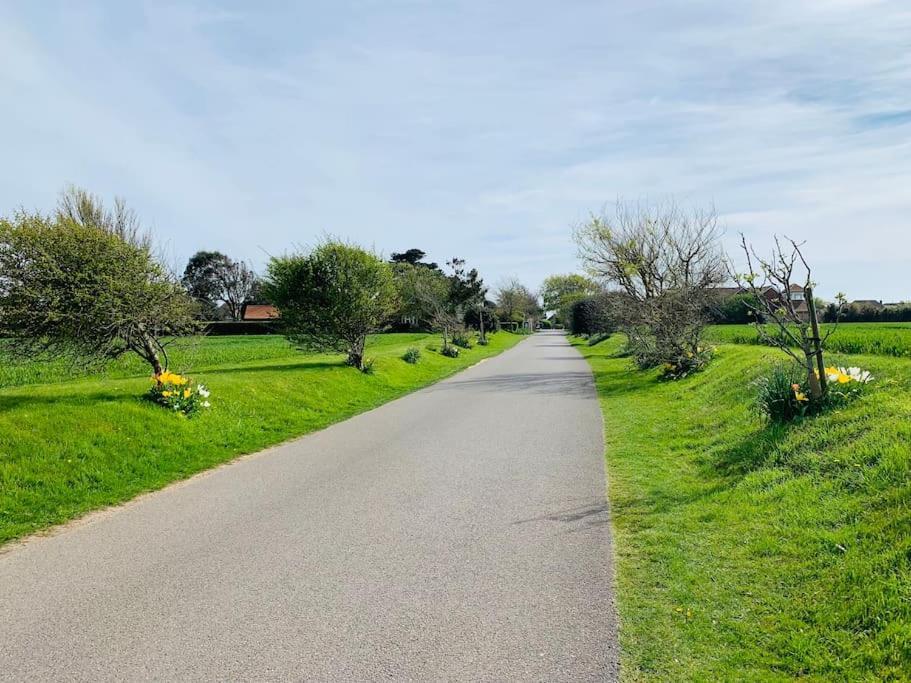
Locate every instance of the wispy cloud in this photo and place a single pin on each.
(479, 129)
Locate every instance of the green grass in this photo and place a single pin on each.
(751, 552)
(885, 339)
(68, 447)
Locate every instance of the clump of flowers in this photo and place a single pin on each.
(686, 363)
(784, 392)
(178, 393)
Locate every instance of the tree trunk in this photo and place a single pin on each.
(481, 325)
(812, 377)
(150, 354)
(356, 353)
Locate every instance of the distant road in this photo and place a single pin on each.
(459, 533)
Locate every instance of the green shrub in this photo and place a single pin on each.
(784, 393)
(412, 355)
(367, 366)
(450, 351)
(598, 338)
(686, 363)
(462, 341)
(483, 342)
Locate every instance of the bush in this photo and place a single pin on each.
(412, 355)
(545, 325)
(784, 393)
(591, 315)
(462, 341)
(596, 339)
(367, 366)
(450, 351)
(687, 363)
(483, 342)
(178, 393)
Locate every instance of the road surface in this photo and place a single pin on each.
(459, 533)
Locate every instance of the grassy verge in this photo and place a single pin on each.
(881, 339)
(73, 446)
(750, 552)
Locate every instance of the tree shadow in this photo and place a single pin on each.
(284, 367)
(749, 454)
(18, 401)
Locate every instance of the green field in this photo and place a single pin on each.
(885, 339)
(751, 552)
(70, 444)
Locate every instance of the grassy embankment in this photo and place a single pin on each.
(753, 552)
(70, 445)
(881, 339)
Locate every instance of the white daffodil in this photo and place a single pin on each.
(205, 404)
(203, 391)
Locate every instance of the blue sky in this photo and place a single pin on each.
(479, 129)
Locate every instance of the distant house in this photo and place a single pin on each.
(260, 312)
(772, 295)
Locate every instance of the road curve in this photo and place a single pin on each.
(459, 533)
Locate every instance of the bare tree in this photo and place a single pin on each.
(666, 263)
(781, 320)
(236, 282)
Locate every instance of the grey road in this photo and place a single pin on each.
(459, 533)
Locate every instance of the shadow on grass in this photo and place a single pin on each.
(77, 399)
(304, 365)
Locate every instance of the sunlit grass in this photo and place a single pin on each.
(68, 447)
(751, 552)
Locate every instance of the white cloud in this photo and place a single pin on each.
(478, 129)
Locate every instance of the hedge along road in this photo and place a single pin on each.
(460, 532)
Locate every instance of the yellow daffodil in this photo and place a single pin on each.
(186, 393)
(800, 396)
(166, 394)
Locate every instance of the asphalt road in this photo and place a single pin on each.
(459, 533)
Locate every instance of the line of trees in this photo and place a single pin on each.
(86, 282)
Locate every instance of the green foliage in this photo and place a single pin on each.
(461, 340)
(211, 278)
(597, 338)
(450, 351)
(73, 446)
(560, 292)
(84, 285)
(686, 363)
(412, 355)
(591, 315)
(784, 393)
(738, 309)
(752, 551)
(880, 339)
(332, 298)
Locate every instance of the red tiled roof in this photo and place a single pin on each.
(260, 312)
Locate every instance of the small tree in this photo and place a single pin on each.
(781, 320)
(666, 262)
(516, 303)
(84, 285)
(212, 278)
(332, 298)
(560, 292)
(592, 315)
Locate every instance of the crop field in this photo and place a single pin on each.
(879, 339)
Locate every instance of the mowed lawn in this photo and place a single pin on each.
(68, 446)
(884, 339)
(751, 552)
